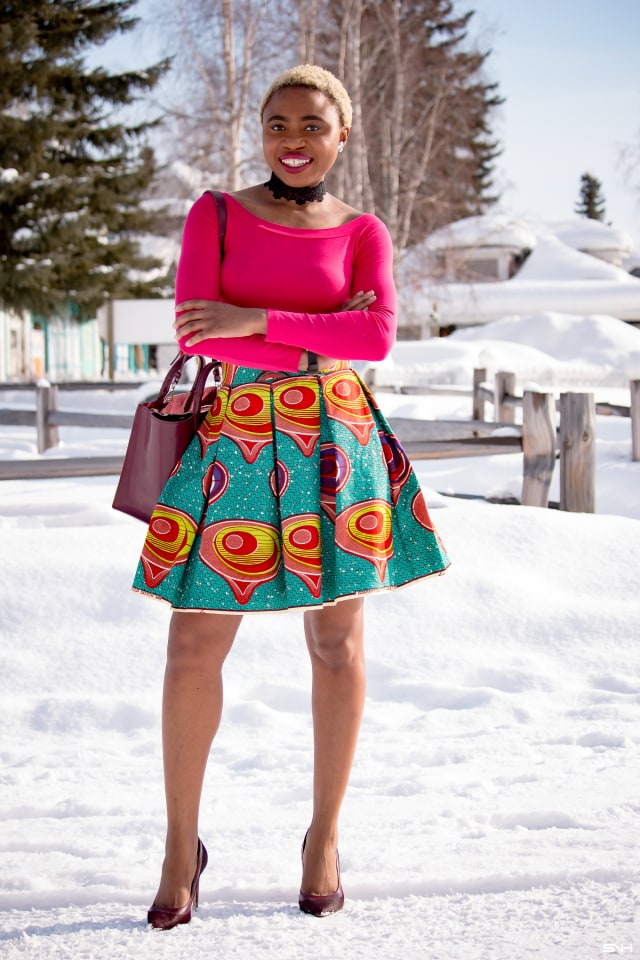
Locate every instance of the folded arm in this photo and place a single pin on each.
(354, 333)
(198, 281)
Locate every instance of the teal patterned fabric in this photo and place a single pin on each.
(294, 493)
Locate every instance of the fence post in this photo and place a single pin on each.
(539, 447)
(577, 452)
(635, 418)
(505, 386)
(370, 377)
(479, 377)
(46, 401)
(111, 347)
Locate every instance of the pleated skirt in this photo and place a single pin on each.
(293, 494)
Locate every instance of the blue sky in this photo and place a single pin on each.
(570, 73)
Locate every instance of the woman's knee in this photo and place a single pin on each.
(334, 637)
(334, 652)
(199, 640)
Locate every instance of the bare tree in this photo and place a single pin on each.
(307, 31)
(223, 53)
(353, 179)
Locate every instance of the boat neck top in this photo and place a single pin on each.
(300, 276)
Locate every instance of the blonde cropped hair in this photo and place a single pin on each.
(317, 78)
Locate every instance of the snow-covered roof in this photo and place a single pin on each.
(496, 230)
(466, 304)
(586, 234)
(551, 259)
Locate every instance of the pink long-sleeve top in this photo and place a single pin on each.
(300, 276)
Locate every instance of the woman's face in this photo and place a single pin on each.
(301, 130)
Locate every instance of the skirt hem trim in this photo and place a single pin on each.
(304, 607)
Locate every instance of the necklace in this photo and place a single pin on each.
(301, 195)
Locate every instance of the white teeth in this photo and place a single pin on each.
(294, 163)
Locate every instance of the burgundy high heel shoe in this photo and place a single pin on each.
(164, 918)
(319, 904)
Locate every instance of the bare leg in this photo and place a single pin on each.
(191, 710)
(335, 641)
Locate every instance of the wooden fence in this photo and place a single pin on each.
(577, 432)
(537, 437)
(46, 418)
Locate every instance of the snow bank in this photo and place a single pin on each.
(493, 801)
(551, 349)
(596, 339)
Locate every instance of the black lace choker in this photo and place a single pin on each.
(301, 195)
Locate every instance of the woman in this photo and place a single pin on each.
(294, 493)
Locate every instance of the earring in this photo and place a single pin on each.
(340, 147)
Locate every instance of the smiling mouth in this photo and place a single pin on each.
(295, 164)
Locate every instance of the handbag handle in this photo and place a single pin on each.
(173, 376)
(195, 398)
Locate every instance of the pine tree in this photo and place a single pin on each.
(72, 172)
(591, 203)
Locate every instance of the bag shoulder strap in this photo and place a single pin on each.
(221, 210)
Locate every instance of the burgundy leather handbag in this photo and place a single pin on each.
(163, 428)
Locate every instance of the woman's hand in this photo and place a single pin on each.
(201, 319)
(359, 301)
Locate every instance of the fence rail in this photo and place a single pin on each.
(51, 469)
(112, 386)
(537, 437)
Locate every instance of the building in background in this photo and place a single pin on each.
(484, 268)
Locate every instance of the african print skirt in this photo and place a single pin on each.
(294, 493)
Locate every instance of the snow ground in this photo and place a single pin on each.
(493, 809)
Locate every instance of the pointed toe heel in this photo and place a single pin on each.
(318, 904)
(165, 918)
